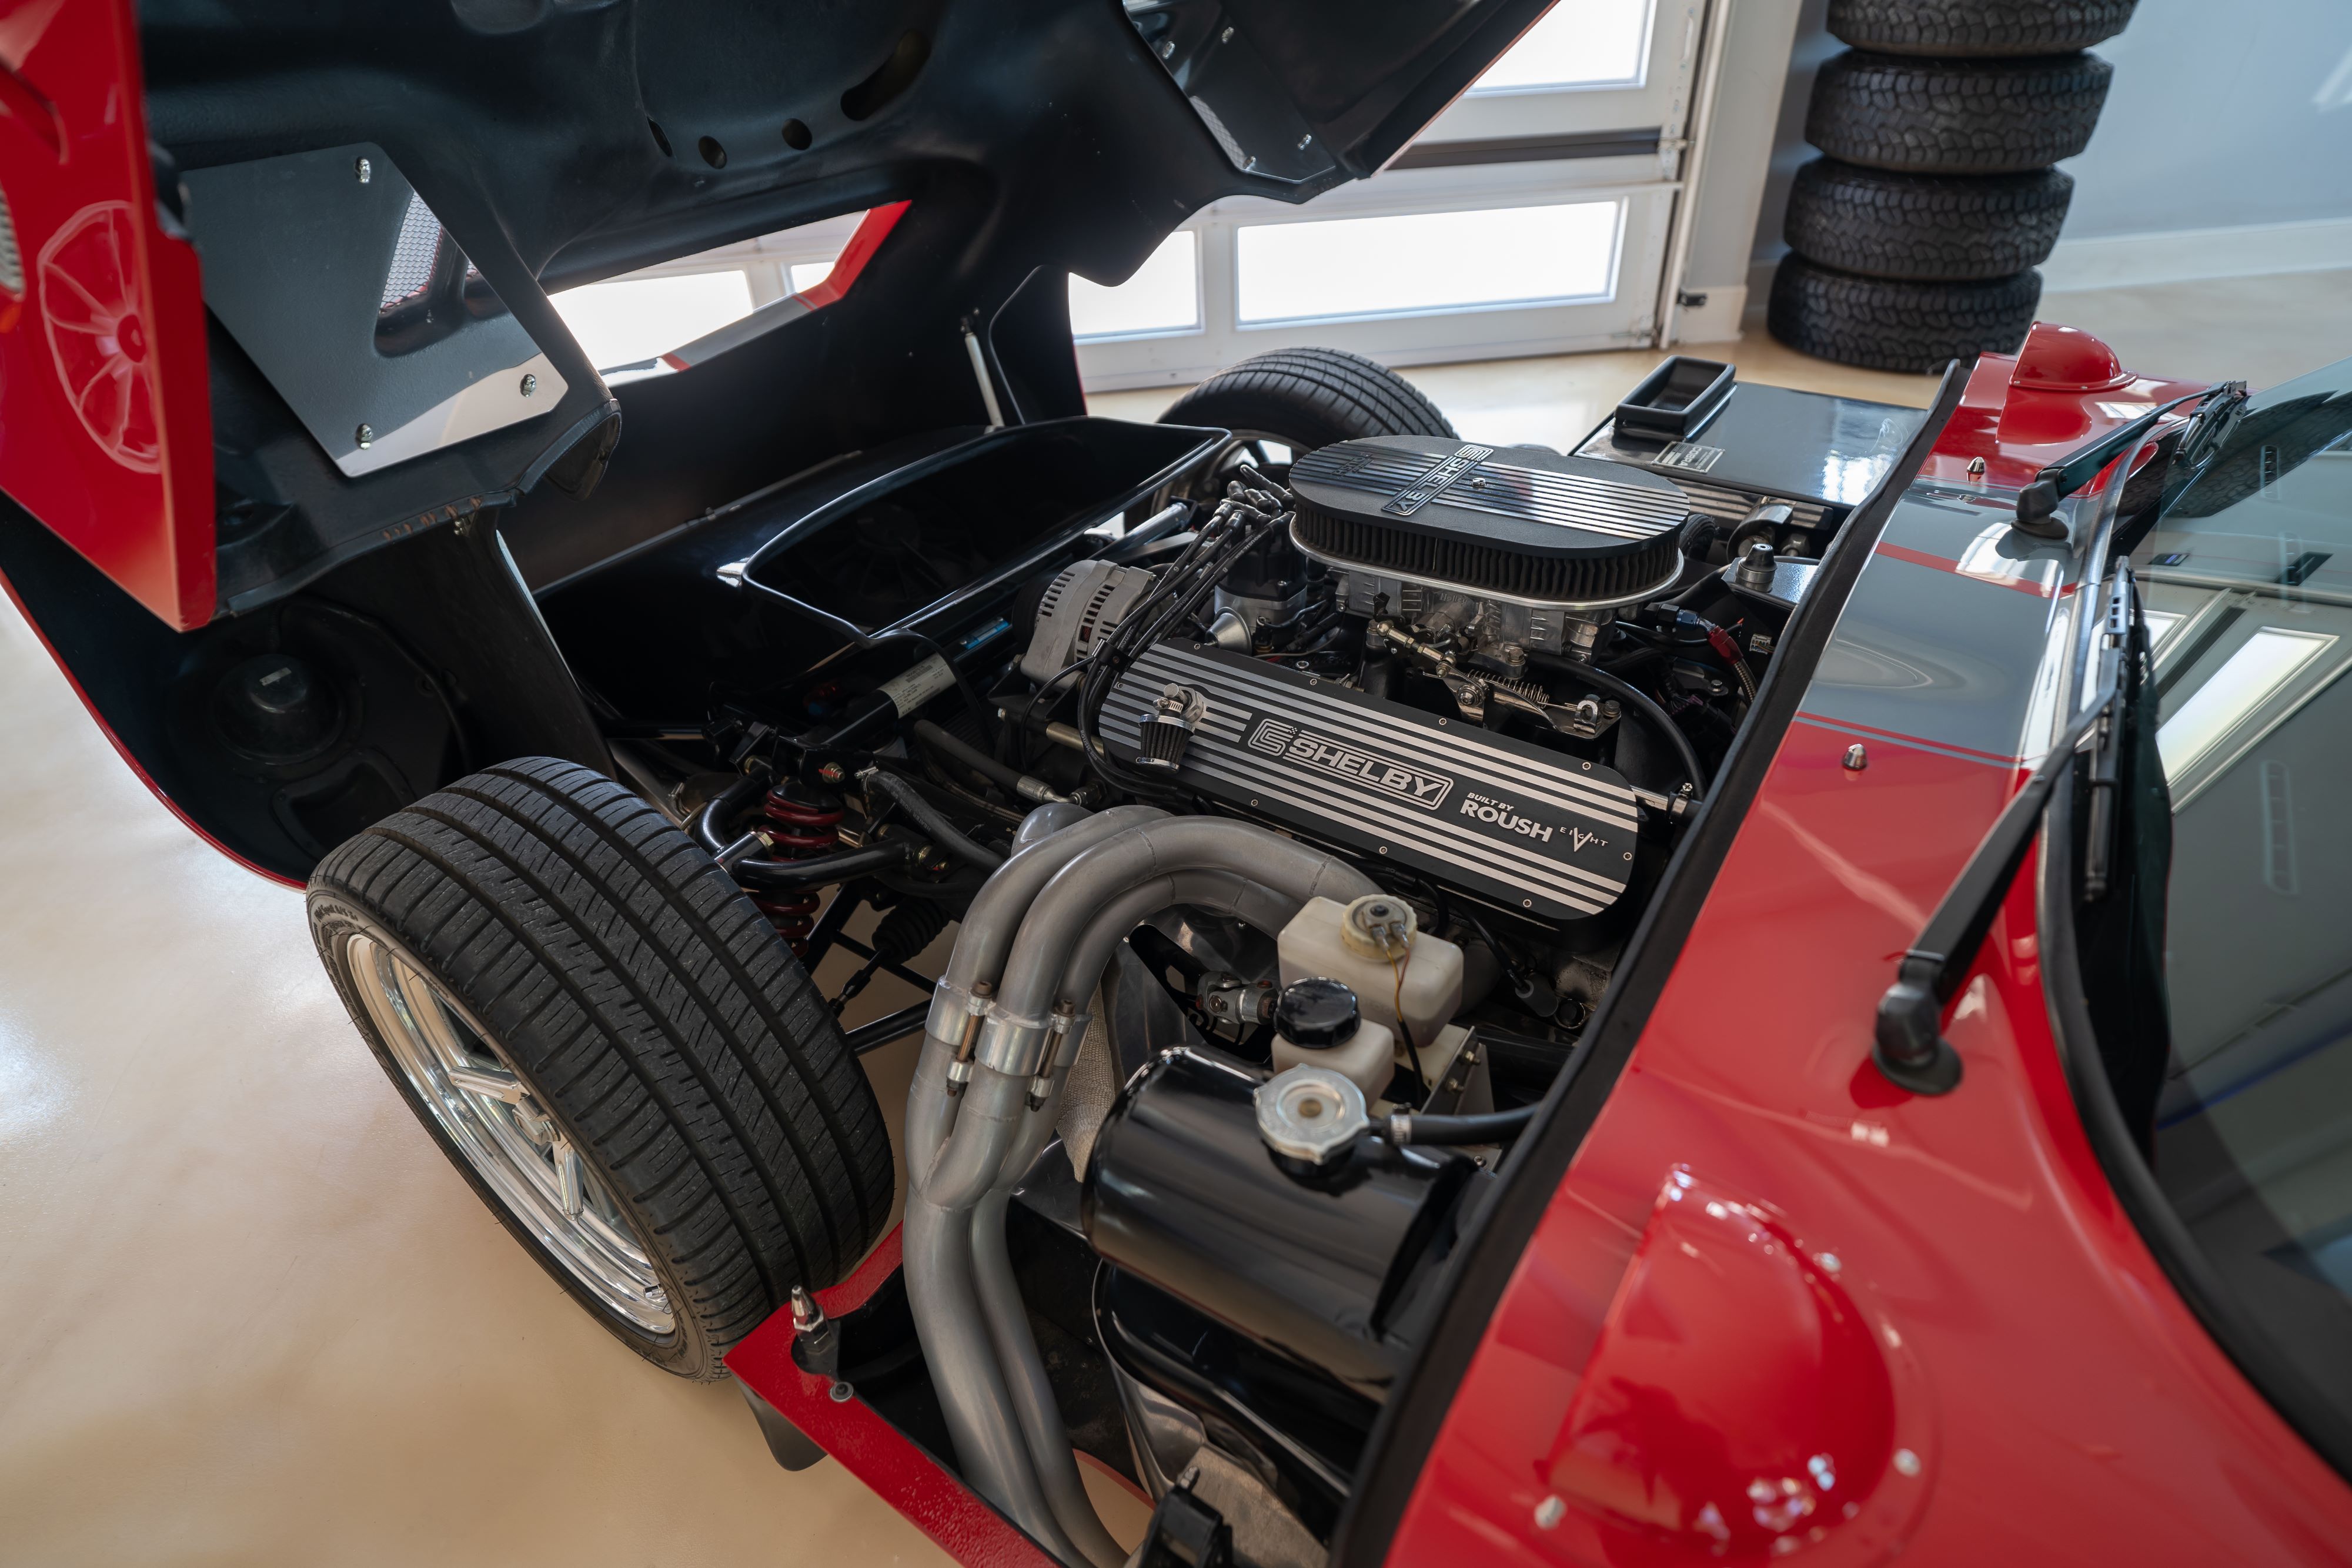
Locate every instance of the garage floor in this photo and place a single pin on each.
(252, 1318)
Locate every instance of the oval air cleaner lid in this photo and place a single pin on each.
(1519, 522)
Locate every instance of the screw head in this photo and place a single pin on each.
(363, 171)
(365, 436)
(1857, 758)
(840, 1392)
(1976, 464)
(1550, 1512)
(529, 385)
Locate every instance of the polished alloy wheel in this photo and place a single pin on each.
(494, 1120)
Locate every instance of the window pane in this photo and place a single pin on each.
(1578, 42)
(1164, 295)
(1427, 261)
(644, 315)
(630, 320)
(2248, 579)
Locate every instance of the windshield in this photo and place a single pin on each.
(2248, 589)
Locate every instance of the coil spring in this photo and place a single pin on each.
(802, 827)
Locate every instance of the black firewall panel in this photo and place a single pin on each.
(1524, 826)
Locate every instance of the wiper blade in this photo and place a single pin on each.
(2060, 479)
(1909, 1046)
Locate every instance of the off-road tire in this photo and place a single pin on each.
(655, 1015)
(1309, 398)
(1889, 324)
(1943, 227)
(1955, 117)
(1977, 29)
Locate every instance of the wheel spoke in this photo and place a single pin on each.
(501, 1129)
(570, 1178)
(498, 1085)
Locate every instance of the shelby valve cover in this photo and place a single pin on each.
(1527, 827)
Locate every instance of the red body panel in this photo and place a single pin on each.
(874, 1451)
(105, 417)
(2052, 1399)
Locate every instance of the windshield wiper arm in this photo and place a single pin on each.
(2060, 479)
(1909, 1046)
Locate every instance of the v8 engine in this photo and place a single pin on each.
(1291, 809)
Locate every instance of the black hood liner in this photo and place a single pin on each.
(565, 141)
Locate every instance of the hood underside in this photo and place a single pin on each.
(556, 142)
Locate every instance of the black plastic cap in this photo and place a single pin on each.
(1316, 1013)
(274, 710)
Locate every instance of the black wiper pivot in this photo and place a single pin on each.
(2053, 484)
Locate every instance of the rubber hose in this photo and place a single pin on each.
(944, 833)
(1627, 693)
(1005, 778)
(1493, 1127)
(823, 870)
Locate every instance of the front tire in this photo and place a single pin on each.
(614, 1047)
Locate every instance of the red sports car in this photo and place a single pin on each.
(1758, 986)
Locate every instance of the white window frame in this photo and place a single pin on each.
(1488, 151)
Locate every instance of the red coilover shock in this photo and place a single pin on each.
(801, 827)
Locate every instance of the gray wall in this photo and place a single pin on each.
(2222, 114)
(2216, 120)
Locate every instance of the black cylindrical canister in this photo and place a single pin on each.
(1183, 1192)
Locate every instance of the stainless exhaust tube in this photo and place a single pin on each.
(1083, 914)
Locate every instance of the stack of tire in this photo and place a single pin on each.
(1915, 240)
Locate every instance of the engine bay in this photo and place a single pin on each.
(1291, 810)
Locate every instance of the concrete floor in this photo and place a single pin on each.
(253, 1316)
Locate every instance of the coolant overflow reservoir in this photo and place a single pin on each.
(1376, 948)
(1318, 1023)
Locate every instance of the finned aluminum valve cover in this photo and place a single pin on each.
(1527, 827)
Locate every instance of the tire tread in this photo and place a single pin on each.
(1889, 324)
(1956, 116)
(1325, 395)
(656, 1014)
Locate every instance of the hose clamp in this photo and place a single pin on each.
(1012, 1045)
(952, 1007)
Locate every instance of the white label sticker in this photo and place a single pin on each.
(919, 686)
(1690, 455)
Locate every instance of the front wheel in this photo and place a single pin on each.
(614, 1047)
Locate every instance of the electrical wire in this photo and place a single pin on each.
(1411, 1051)
(1625, 690)
(1248, 514)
